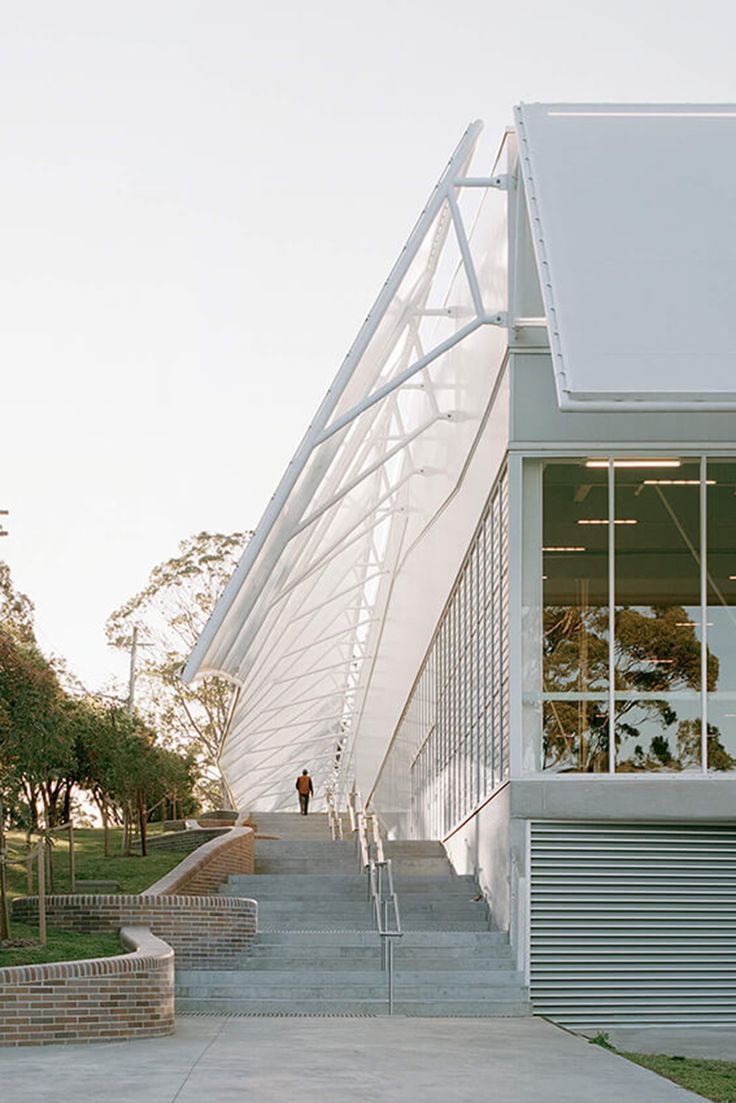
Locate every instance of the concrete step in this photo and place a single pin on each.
(308, 1006)
(447, 981)
(455, 956)
(307, 848)
(421, 939)
(343, 884)
(323, 865)
(369, 958)
(411, 904)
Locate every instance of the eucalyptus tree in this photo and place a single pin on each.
(169, 613)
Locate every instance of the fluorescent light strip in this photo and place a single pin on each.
(604, 521)
(635, 464)
(692, 624)
(555, 549)
(677, 482)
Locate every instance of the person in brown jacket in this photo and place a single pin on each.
(305, 789)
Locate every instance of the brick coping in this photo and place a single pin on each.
(146, 950)
(138, 900)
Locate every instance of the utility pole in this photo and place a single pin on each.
(131, 680)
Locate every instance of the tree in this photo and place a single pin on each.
(170, 613)
(16, 610)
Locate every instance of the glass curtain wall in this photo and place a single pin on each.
(629, 626)
(455, 726)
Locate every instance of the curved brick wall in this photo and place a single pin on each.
(126, 996)
(204, 931)
(209, 865)
(132, 995)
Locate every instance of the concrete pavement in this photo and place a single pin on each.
(717, 1043)
(331, 1060)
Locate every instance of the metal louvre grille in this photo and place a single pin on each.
(633, 923)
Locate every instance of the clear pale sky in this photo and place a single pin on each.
(198, 204)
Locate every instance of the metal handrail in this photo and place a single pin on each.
(381, 891)
(333, 816)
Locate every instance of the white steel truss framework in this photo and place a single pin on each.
(301, 623)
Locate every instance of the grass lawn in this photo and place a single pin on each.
(133, 874)
(60, 946)
(715, 1080)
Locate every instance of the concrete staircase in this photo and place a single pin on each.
(317, 951)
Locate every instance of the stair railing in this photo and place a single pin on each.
(384, 899)
(333, 816)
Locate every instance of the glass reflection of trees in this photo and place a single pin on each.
(574, 616)
(657, 646)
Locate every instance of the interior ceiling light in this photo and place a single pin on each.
(604, 521)
(563, 549)
(668, 661)
(732, 578)
(634, 463)
(692, 624)
(678, 482)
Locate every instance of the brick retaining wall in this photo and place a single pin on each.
(127, 996)
(210, 865)
(204, 931)
(185, 840)
(132, 995)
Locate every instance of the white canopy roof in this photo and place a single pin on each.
(634, 227)
(324, 623)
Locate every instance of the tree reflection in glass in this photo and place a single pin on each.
(657, 642)
(657, 626)
(575, 617)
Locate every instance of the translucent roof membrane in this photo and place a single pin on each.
(306, 620)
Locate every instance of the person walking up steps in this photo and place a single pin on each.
(305, 789)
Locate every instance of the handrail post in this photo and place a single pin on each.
(390, 952)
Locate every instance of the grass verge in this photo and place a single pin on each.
(60, 946)
(714, 1080)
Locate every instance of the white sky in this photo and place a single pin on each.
(199, 202)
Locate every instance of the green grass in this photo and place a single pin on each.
(133, 874)
(714, 1080)
(60, 946)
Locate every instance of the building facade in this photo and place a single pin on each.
(497, 585)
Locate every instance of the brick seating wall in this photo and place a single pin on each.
(128, 996)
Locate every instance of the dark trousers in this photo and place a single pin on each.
(303, 803)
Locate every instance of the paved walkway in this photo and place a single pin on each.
(714, 1042)
(313, 1060)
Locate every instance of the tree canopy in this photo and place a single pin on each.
(170, 612)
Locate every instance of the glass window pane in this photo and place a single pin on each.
(575, 616)
(657, 614)
(721, 512)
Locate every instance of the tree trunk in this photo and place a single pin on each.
(105, 829)
(142, 820)
(4, 906)
(67, 813)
